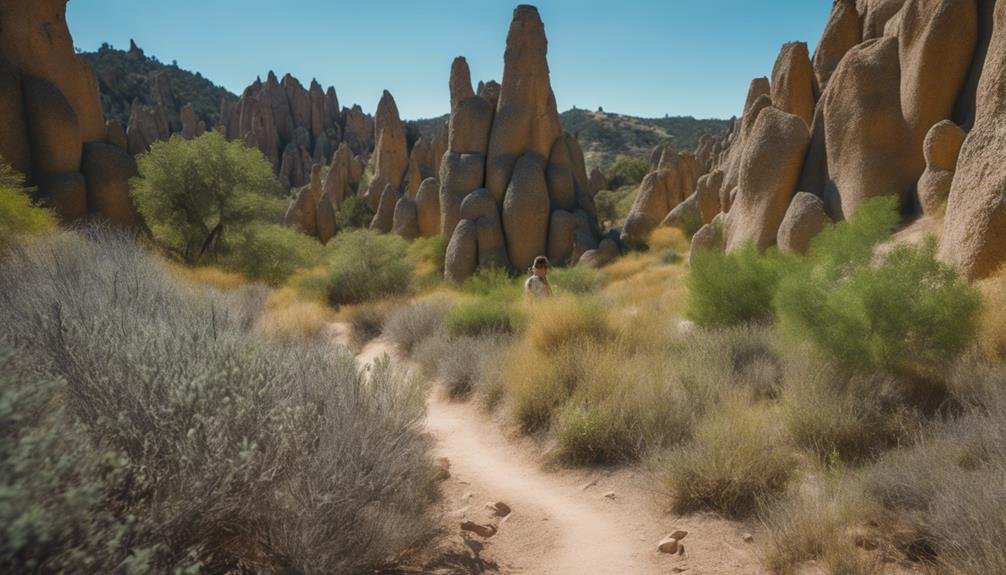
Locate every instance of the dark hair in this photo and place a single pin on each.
(541, 262)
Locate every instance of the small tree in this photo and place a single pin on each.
(626, 171)
(197, 195)
(18, 215)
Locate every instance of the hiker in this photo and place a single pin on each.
(537, 286)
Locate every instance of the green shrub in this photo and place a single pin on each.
(237, 450)
(18, 215)
(576, 280)
(626, 171)
(907, 312)
(735, 288)
(272, 253)
(589, 434)
(366, 265)
(483, 316)
(737, 459)
(354, 213)
(198, 195)
(492, 282)
(428, 255)
(613, 205)
(366, 323)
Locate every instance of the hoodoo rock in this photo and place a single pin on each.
(325, 219)
(479, 207)
(384, 217)
(805, 218)
(405, 221)
(461, 259)
(107, 169)
(526, 211)
(561, 230)
(460, 174)
(974, 234)
(843, 31)
(526, 117)
(392, 154)
(460, 82)
(660, 192)
(942, 147)
(792, 86)
(428, 208)
(470, 125)
(769, 172)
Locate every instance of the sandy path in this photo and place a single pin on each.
(564, 521)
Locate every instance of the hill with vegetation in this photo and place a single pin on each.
(127, 75)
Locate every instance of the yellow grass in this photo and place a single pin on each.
(992, 333)
(664, 238)
(207, 275)
(566, 319)
(288, 318)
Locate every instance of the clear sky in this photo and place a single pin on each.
(639, 57)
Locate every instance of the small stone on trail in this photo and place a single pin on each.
(588, 484)
(609, 495)
(668, 545)
(499, 509)
(679, 534)
(486, 531)
(467, 496)
(748, 538)
(442, 469)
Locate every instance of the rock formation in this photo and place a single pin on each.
(52, 128)
(391, 152)
(941, 148)
(804, 219)
(512, 185)
(974, 233)
(596, 182)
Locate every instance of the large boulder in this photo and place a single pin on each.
(559, 175)
(942, 147)
(14, 145)
(480, 207)
(461, 259)
(974, 234)
(561, 228)
(601, 256)
(805, 218)
(469, 126)
(843, 31)
(708, 238)
(405, 221)
(325, 218)
(460, 174)
(793, 82)
(597, 181)
(53, 129)
(64, 192)
(526, 211)
(107, 169)
(877, 14)
(384, 217)
(707, 195)
(428, 208)
(526, 119)
(685, 216)
(391, 153)
(769, 172)
(651, 205)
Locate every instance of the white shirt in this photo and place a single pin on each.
(537, 287)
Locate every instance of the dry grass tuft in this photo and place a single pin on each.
(992, 331)
(288, 318)
(207, 275)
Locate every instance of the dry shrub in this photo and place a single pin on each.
(366, 321)
(207, 275)
(628, 266)
(737, 459)
(237, 451)
(563, 320)
(830, 523)
(413, 323)
(666, 238)
(653, 288)
(288, 318)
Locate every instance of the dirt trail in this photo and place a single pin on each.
(564, 521)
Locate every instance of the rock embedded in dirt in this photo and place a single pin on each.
(442, 469)
(500, 509)
(481, 530)
(747, 538)
(668, 545)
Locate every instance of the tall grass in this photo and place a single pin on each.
(238, 450)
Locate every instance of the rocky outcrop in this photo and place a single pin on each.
(596, 182)
(843, 31)
(660, 192)
(391, 152)
(792, 88)
(941, 148)
(974, 233)
(384, 216)
(405, 222)
(708, 238)
(428, 208)
(510, 181)
(52, 128)
(769, 172)
(604, 254)
(804, 219)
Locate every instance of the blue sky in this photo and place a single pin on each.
(639, 57)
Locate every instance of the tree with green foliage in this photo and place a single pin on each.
(18, 215)
(198, 195)
(626, 171)
(272, 253)
(354, 213)
(367, 265)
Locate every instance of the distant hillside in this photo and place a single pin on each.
(123, 76)
(604, 136)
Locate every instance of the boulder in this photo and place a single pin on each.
(559, 176)
(707, 195)
(597, 182)
(460, 174)
(460, 83)
(116, 134)
(964, 108)
(651, 205)
(974, 233)
(685, 216)
(490, 91)
(526, 119)
(358, 130)
(53, 130)
(708, 238)
(469, 126)
(605, 253)
(877, 14)
(526, 210)
(793, 82)
(804, 219)
(843, 31)
(384, 217)
(769, 171)
(107, 170)
(461, 258)
(428, 208)
(405, 221)
(561, 228)
(64, 192)
(14, 145)
(941, 149)
(325, 218)
(337, 182)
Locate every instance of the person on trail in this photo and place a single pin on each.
(537, 286)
